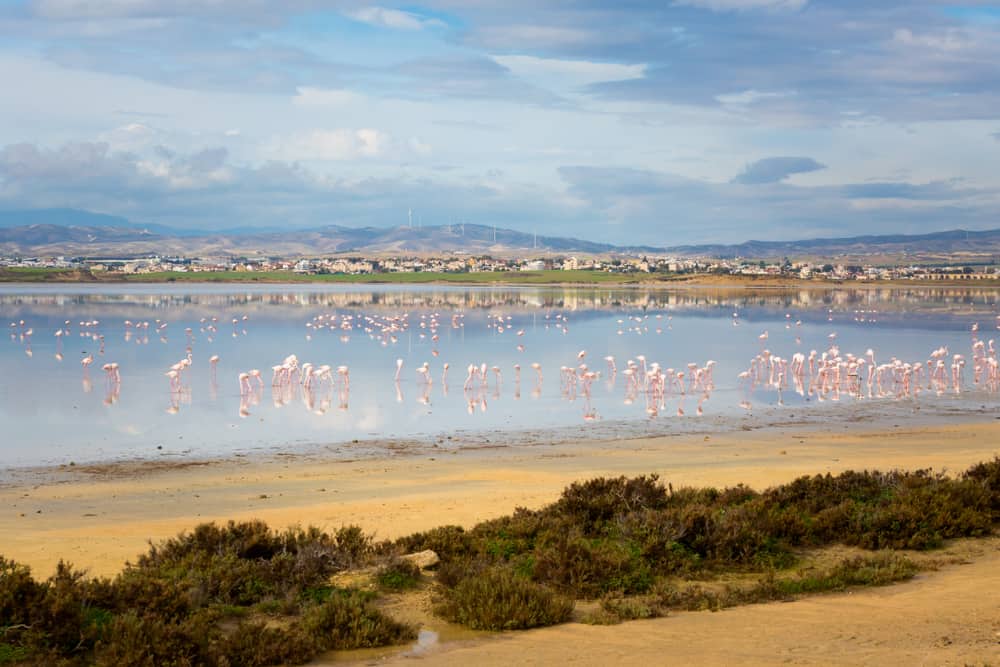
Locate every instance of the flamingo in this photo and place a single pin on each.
(245, 388)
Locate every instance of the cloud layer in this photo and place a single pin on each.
(700, 120)
(774, 169)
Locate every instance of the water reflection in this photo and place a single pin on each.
(182, 367)
(117, 301)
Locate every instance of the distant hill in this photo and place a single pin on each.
(72, 232)
(71, 217)
(954, 241)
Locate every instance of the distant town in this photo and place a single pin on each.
(457, 264)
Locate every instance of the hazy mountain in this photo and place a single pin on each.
(71, 217)
(71, 232)
(954, 241)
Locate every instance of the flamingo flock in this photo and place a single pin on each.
(823, 374)
(830, 374)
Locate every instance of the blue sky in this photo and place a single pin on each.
(660, 122)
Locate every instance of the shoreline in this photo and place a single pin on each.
(875, 415)
(99, 517)
(609, 281)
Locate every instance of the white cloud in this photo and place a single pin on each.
(308, 96)
(742, 5)
(569, 72)
(332, 145)
(748, 97)
(419, 147)
(530, 36)
(82, 9)
(131, 137)
(102, 9)
(393, 18)
(948, 40)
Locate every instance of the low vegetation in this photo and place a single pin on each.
(41, 275)
(243, 594)
(879, 569)
(624, 541)
(239, 594)
(499, 599)
(398, 575)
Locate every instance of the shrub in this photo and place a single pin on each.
(166, 609)
(141, 640)
(398, 574)
(451, 573)
(597, 501)
(632, 608)
(692, 597)
(498, 599)
(19, 594)
(987, 476)
(347, 620)
(590, 567)
(253, 644)
(354, 545)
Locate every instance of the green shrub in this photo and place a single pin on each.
(166, 609)
(692, 597)
(254, 644)
(597, 501)
(632, 608)
(141, 640)
(498, 599)
(10, 654)
(589, 567)
(347, 621)
(398, 574)
(987, 476)
(354, 545)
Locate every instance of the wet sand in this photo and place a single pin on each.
(97, 517)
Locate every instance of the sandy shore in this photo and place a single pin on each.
(99, 517)
(948, 617)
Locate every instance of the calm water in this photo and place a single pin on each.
(54, 411)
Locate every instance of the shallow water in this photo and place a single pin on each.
(54, 411)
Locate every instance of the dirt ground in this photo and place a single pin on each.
(98, 517)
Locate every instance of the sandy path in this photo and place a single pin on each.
(950, 617)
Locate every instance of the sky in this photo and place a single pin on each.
(659, 122)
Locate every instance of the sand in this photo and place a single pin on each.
(950, 617)
(98, 517)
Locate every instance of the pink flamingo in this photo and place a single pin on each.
(245, 387)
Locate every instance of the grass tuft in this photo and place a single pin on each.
(398, 575)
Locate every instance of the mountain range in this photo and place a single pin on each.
(71, 232)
